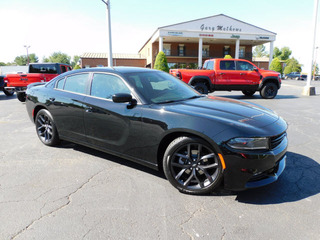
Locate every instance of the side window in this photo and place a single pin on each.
(244, 66)
(60, 83)
(105, 85)
(227, 65)
(63, 69)
(210, 65)
(76, 83)
(205, 65)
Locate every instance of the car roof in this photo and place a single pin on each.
(115, 70)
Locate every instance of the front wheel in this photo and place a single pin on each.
(201, 88)
(269, 90)
(46, 128)
(21, 96)
(192, 166)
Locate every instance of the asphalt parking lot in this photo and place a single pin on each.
(73, 192)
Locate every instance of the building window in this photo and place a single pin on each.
(87, 66)
(205, 51)
(181, 50)
(242, 52)
(167, 49)
(226, 50)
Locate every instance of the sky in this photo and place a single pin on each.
(78, 26)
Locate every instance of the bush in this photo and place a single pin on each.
(227, 57)
(161, 62)
(276, 65)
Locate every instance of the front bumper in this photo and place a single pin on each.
(254, 169)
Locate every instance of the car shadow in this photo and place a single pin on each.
(4, 97)
(300, 180)
(109, 157)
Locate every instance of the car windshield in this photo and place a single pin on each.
(160, 87)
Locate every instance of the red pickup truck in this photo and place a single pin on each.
(230, 75)
(38, 72)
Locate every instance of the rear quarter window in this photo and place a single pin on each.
(76, 83)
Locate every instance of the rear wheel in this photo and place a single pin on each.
(46, 128)
(8, 92)
(21, 96)
(248, 93)
(191, 165)
(269, 90)
(201, 88)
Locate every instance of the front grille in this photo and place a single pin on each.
(276, 140)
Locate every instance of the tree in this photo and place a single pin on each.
(283, 54)
(58, 57)
(259, 51)
(276, 65)
(75, 61)
(2, 64)
(227, 57)
(292, 65)
(315, 69)
(161, 62)
(23, 59)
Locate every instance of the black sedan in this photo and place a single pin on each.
(152, 118)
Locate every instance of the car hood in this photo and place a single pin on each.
(226, 110)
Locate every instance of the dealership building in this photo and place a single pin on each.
(189, 44)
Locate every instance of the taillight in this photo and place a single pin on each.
(5, 79)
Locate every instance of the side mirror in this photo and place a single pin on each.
(124, 98)
(255, 69)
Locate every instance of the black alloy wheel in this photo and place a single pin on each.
(201, 88)
(46, 129)
(269, 90)
(192, 166)
(248, 93)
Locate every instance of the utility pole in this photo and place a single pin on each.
(110, 60)
(26, 46)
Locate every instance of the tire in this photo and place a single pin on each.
(248, 93)
(191, 165)
(8, 92)
(269, 90)
(46, 128)
(21, 96)
(201, 88)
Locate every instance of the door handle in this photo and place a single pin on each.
(221, 73)
(242, 74)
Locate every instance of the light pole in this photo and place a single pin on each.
(110, 61)
(308, 90)
(27, 47)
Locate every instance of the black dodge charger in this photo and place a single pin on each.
(152, 118)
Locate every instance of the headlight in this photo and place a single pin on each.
(249, 143)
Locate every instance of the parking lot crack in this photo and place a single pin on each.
(69, 200)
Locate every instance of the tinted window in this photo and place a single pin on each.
(210, 65)
(105, 85)
(76, 83)
(244, 66)
(227, 65)
(43, 68)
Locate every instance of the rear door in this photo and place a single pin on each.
(66, 105)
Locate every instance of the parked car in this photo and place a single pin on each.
(153, 118)
(231, 75)
(296, 76)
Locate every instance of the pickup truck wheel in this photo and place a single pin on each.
(201, 87)
(192, 166)
(21, 96)
(269, 90)
(46, 128)
(248, 93)
(8, 92)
